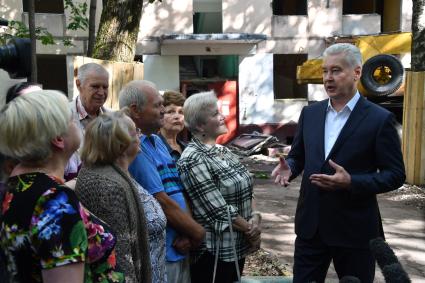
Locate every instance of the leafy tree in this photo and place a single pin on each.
(118, 29)
(418, 36)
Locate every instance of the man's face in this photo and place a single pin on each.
(339, 78)
(152, 113)
(93, 91)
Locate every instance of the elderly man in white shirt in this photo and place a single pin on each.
(93, 84)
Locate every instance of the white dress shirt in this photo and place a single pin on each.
(335, 121)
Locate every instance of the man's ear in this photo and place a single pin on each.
(357, 73)
(135, 112)
(58, 142)
(78, 83)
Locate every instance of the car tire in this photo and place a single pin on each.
(389, 62)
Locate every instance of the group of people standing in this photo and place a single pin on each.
(95, 195)
(100, 196)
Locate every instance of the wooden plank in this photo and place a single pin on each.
(122, 74)
(138, 71)
(413, 143)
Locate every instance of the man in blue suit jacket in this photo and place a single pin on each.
(349, 151)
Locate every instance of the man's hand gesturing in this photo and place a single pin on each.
(282, 172)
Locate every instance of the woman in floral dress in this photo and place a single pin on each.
(45, 234)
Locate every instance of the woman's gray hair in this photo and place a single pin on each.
(352, 53)
(133, 93)
(30, 122)
(194, 109)
(89, 68)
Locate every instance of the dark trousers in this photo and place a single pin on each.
(202, 270)
(312, 259)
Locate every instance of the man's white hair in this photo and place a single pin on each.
(352, 53)
(30, 122)
(134, 93)
(89, 68)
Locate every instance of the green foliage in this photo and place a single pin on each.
(78, 20)
(19, 29)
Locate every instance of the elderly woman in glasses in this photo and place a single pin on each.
(173, 123)
(104, 185)
(45, 234)
(220, 189)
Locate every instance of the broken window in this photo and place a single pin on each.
(52, 72)
(43, 6)
(289, 7)
(361, 7)
(285, 76)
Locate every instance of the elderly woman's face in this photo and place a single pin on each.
(214, 125)
(173, 118)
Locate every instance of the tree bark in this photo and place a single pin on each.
(92, 27)
(118, 29)
(418, 36)
(33, 39)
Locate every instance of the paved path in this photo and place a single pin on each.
(404, 225)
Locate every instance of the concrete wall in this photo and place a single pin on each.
(163, 71)
(167, 16)
(361, 24)
(256, 97)
(250, 16)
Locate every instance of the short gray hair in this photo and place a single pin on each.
(134, 93)
(194, 109)
(30, 122)
(352, 53)
(89, 68)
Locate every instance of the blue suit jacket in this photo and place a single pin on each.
(368, 147)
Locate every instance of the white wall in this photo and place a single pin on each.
(163, 71)
(250, 16)
(256, 98)
(361, 24)
(167, 16)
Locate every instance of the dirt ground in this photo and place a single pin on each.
(402, 211)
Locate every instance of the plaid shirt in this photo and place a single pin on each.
(215, 180)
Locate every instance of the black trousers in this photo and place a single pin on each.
(202, 270)
(312, 258)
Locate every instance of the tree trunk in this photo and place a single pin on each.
(418, 34)
(31, 27)
(118, 29)
(92, 27)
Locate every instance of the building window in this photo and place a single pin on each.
(362, 7)
(289, 7)
(44, 6)
(285, 76)
(51, 71)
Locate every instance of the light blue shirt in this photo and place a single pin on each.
(335, 121)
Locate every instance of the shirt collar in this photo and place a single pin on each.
(82, 113)
(350, 104)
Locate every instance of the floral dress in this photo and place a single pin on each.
(44, 226)
(156, 222)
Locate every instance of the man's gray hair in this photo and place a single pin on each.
(194, 109)
(352, 53)
(88, 68)
(134, 93)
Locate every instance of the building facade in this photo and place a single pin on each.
(247, 51)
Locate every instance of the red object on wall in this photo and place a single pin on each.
(227, 104)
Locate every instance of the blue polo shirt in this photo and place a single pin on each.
(156, 171)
